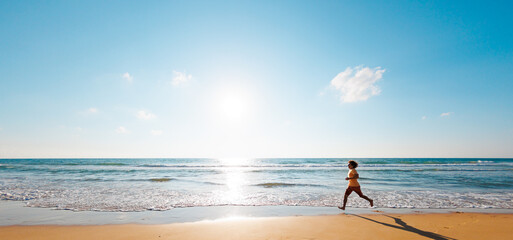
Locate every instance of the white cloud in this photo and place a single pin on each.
(89, 111)
(358, 83)
(180, 78)
(424, 117)
(129, 78)
(156, 132)
(446, 114)
(121, 130)
(145, 115)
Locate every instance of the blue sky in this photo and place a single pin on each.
(256, 79)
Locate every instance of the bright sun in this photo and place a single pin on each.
(232, 121)
(233, 105)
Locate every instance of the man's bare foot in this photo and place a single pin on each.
(343, 208)
(372, 203)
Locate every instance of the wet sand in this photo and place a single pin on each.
(342, 226)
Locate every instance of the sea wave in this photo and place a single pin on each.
(323, 166)
(438, 170)
(110, 164)
(261, 164)
(161, 179)
(279, 184)
(129, 199)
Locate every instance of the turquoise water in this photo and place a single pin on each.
(162, 184)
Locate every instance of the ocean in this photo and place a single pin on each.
(127, 185)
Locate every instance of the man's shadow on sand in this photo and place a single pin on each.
(404, 226)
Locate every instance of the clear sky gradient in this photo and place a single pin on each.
(256, 79)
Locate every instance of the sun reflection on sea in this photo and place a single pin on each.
(235, 171)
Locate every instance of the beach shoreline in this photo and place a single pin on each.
(340, 226)
(17, 213)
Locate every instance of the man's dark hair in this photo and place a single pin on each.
(354, 164)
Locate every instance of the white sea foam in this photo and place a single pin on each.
(130, 199)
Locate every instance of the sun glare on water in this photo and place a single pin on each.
(235, 177)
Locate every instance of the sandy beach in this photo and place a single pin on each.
(342, 226)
